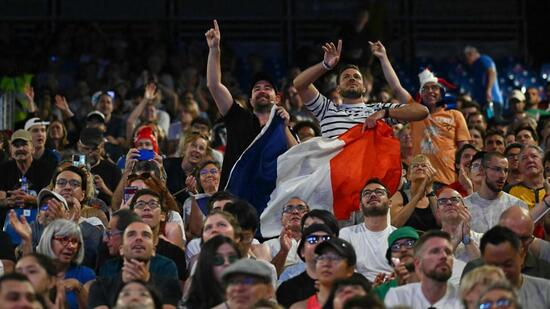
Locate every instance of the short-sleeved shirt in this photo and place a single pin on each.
(337, 119)
(486, 213)
(81, 273)
(411, 295)
(531, 197)
(242, 127)
(370, 248)
(437, 137)
(534, 292)
(480, 67)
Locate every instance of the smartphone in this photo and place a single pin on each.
(79, 160)
(146, 155)
(129, 193)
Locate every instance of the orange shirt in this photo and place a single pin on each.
(437, 137)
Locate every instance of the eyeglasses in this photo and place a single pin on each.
(313, 239)
(499, 303)
(498, 169)
(110, 233)
(526, 240)
(329, 257)
(244, 281)
(475, 166)
(291, 208)
(153, 204)
(407, 244)
(62, 182)
(445, 201)
(66, 240)
(212, 171)
(219, 260)
(378, 192)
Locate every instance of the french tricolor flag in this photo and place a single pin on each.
(327, 173)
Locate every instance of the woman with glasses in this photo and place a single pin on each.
(501, 294)
(206, 290)
(476, 281)
(195, 207)
(413, 207)
(62, 241)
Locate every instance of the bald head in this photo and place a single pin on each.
(519, 221)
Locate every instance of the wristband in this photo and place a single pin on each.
(325, 66)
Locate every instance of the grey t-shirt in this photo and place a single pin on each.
(486, 213)
(544, 253)
(535, 292)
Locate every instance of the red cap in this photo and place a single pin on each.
(147, 132)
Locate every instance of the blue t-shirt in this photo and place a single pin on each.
(81, 273)
(480, 67)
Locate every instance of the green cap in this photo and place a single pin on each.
(403, 232)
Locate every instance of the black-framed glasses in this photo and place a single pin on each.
(66, 240)
(212, 171)
(153, 204)
(291, 208)
(62, 182)
(377, 192)
(219, 260)
(313, 239)
(111, 233)
(445, 201)
(409, 244)
(499, 303)
(527, 239)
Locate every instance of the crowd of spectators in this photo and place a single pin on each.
(111, 194)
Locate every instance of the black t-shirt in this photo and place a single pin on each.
(175, 179)
(242, 127)
(7, 251)
(295, 290)
(38, 176)
(104, 291)
(174, 253)
(111, 176)
(50, 159)
(115, 127)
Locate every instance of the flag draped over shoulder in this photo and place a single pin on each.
(254, 175)
(329, 173)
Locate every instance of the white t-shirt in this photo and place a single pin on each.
(370, 248)
(486, 213)
(275, 246)
(534, 292)
(411, 295)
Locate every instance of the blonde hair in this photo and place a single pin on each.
(484, 275)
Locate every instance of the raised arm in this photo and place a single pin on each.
(148, 96)
(379, 51)
(304, 81)
(219, 92)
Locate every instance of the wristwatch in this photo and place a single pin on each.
(466, 240)
(431, 194)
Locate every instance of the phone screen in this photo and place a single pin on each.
(79, 160)
(129, 193)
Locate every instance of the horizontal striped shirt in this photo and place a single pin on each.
(337, 119)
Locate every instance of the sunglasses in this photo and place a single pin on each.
(219, 260)
(406, 244)
(313, 239)
(499, 303)
(292, 208)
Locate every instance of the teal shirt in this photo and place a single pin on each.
(160, 265)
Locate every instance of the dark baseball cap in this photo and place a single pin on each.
(342, 247)
(310, 230)
(263, 76)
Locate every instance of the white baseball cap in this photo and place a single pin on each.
(35, 122)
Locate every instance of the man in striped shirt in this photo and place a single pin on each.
(337, 119)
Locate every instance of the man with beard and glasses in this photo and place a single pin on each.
(336, 119)
(433, 261)
(370, 238)
(137, 251)
(501, 247)
(441, 134)
(21, 166)
(284, 248)
(490, 201)
(242, 125)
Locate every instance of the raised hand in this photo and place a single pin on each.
(332, 54)
(191, 184)
(281, 112)
(150, 91)
(29, 93)
(377, 49)
(213, 36)
(20, 225)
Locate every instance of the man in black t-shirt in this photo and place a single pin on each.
(303, 286)
(22, 163)
(37, 128)
(106, 174)
(242, 124)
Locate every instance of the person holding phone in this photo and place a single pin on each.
(106, 175)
